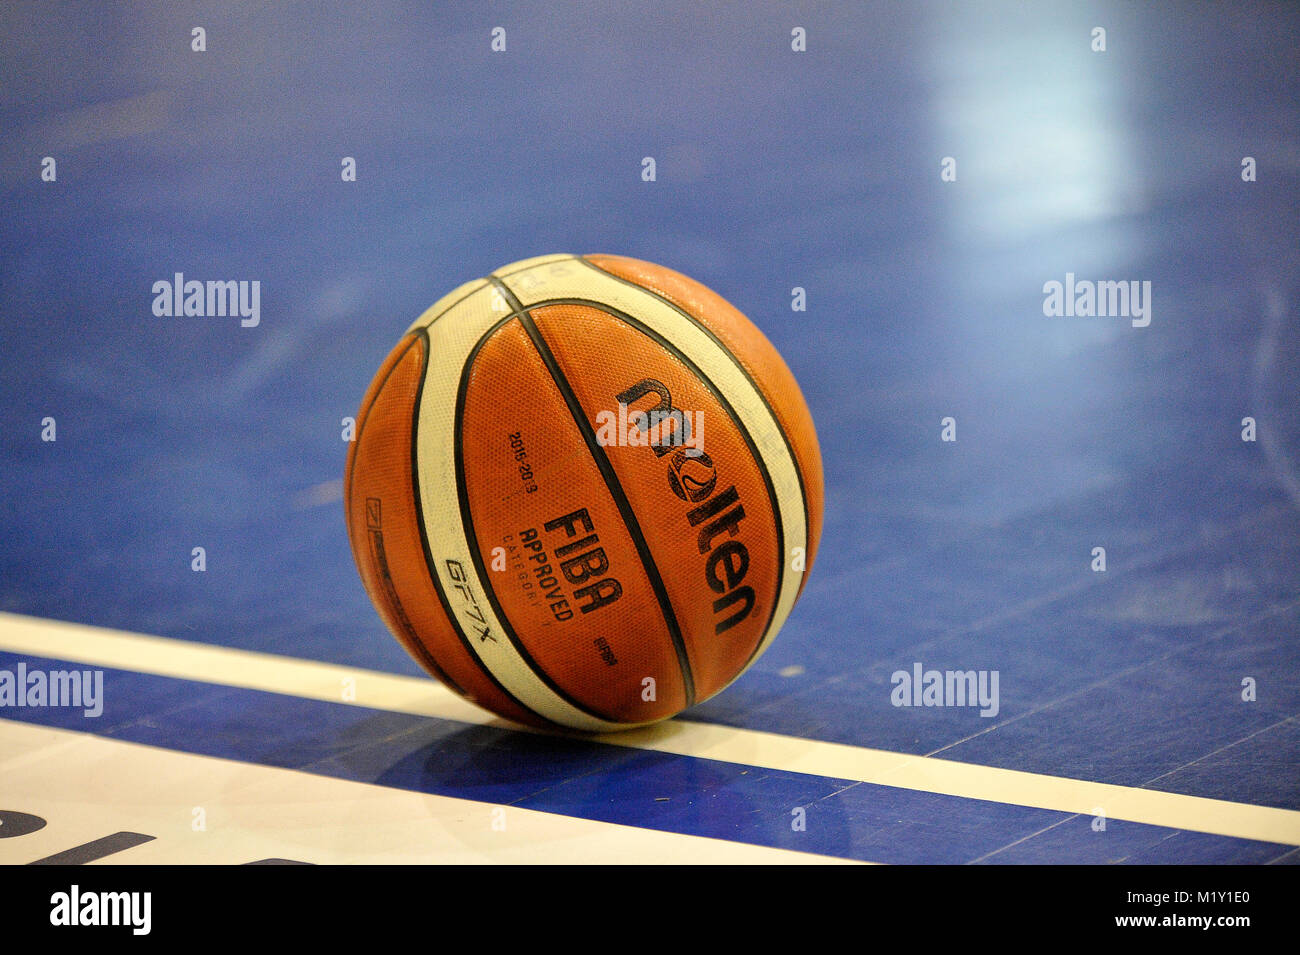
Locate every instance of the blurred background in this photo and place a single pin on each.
(776, 169)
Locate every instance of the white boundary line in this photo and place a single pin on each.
(251, 812)
(309, 679)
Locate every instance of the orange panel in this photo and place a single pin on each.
(567, 575)
(382, 525)
(755, 353)
(708, 520)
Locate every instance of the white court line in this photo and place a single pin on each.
(415, 695)
(205, 810)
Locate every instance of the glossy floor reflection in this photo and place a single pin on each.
(820, 170)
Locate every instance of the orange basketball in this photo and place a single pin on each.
(584, 492)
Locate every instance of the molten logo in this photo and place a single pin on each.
(693, 478)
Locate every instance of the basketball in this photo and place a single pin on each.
(584, 492)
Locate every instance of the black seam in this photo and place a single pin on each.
(616, 491)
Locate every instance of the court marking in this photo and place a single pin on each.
(156, 806)
(95, 849)
(309, 679)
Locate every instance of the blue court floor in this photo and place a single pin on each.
(1103, 509)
